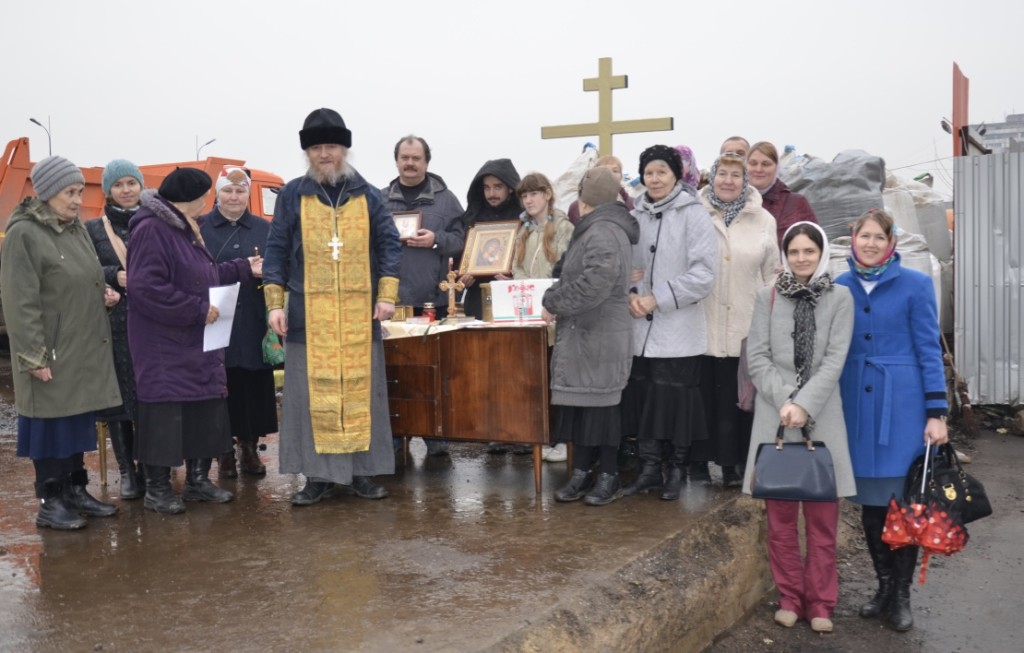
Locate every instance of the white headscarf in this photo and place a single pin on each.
(822, 263)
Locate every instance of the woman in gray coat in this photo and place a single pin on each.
(673, 271)
(796, 350)
(591, 358)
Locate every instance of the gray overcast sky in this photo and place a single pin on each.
(478, 79)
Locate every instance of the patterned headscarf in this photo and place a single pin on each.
(233, 176)
(691, 173)
(806, 298)
(729, 209)
(871, 272)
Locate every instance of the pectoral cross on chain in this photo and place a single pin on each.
(334, 245)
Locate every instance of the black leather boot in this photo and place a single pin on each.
(364, 487)
(699, 473)
(159, 497)
(674, 483)
(575, 488)
(900, 616)
(122, 441)
(198, 486)
(873, 520)
(676, 477)
(605, 490)
(78, 499)
(314, 492)
(53, 512)
(251, 463)
(650, 470)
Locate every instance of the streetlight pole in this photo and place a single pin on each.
(200, 147)
(46, 128)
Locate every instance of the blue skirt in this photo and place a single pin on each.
(56, 437)
(878, 491)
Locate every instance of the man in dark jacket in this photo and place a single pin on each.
(491, 198)
(440, 237)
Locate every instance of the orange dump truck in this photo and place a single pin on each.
(16, 185)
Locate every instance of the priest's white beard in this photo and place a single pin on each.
(328, 178)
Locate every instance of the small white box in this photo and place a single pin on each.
(518, 301)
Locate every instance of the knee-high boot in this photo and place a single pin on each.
(873, 521)
(198, 486)
(905, 560)
(650, 469)
(159, 496)
(122, 440)
(676, 476)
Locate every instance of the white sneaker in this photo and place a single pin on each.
(555, 454)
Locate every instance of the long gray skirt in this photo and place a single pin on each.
(297, 453)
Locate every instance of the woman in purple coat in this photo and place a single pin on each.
(182, 410)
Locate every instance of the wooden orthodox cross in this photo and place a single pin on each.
(451, 286)
(605, 127)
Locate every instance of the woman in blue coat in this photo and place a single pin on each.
(894, 396)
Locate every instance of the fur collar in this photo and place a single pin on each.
(162, 209)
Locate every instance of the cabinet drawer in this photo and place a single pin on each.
(414, 417)
(412, 351)
(412, 381)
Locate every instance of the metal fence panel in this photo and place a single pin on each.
(989, 242)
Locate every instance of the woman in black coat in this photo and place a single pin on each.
(122, 186)
(231, 231)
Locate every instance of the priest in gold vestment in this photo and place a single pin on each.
(334, 249)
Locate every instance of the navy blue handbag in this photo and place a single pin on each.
(793, 471)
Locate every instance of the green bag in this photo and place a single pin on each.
(273, 351)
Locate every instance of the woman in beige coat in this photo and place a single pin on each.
(748, 258)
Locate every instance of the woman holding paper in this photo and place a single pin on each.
(182, 411)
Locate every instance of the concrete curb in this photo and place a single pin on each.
(677, 596)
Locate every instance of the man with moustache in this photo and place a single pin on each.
(441, 235)
(334, 247)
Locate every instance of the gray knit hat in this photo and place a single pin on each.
(52, 175)
(599, 186)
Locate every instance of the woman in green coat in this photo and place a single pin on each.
(54, 299)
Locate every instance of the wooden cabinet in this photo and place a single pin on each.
(486, 385)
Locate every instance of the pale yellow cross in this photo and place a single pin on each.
(605, 127)
(334, 245)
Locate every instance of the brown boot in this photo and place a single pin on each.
(251, 463)
(226, 464)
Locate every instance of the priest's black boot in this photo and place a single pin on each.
(198, 486)
(122, 440)
(650, 469)
(873, 520)
(314, 492)
(364, 487)
(159, 497)
(575, 488)
(53, 513)
(78, 499)
(900, 616)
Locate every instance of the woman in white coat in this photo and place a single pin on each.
(748, 258)
(796, 350)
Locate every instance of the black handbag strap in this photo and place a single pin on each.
(782, 432)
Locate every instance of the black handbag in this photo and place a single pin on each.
(948, 485)
(793, 471)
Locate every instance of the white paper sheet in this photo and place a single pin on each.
(218, 334)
